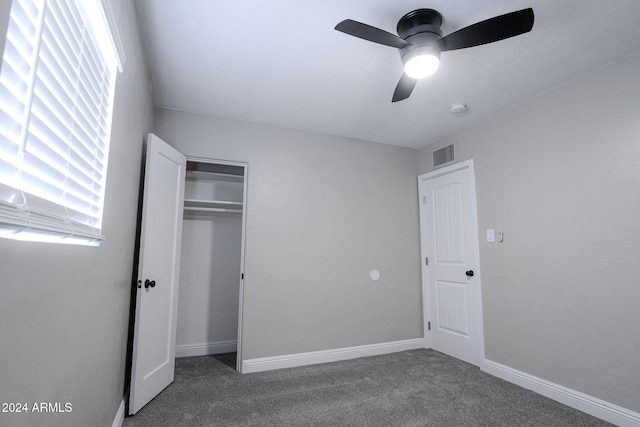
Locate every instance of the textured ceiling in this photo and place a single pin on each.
(282, 63)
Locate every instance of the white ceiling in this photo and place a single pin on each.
(282, 63)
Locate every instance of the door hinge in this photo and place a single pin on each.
(424, 200)
(428, 326)
(426, 261)
(242, 276)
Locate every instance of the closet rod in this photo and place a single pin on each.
(191, 208)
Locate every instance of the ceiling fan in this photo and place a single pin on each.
(420, 40)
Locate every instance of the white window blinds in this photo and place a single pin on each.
(56, 93)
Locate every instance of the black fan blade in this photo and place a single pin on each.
(404, 88)
(488, 31)
(373, 34)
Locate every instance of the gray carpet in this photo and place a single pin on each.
(411, 388)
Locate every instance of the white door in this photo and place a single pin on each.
(450, 264)
(154, 339)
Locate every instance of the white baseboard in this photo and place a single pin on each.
(324, 356)
(203, 349)
(119, 419)
(572, 398)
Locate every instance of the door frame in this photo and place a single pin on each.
(136, 264)
(424, 242)
(245, 167)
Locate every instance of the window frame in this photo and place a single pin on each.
(33, 205)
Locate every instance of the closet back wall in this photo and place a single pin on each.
(322, 211)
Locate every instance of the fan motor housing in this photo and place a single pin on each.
(420, 21)
(421, 28)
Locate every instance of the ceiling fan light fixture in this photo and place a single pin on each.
(421, 62)
(420, 41)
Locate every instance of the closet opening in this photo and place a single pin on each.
(212, 262)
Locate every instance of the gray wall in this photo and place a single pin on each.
(322, 212)
(64, 310)
(560, 175)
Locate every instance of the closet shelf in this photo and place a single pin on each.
(211, 176)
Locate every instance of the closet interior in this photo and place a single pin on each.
(211, 259)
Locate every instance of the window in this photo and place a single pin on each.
(57, 82)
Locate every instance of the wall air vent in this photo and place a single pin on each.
(443, 155)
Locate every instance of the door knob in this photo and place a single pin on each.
(149, 284)
(469, 273)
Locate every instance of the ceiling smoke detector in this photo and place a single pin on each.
(458, 108)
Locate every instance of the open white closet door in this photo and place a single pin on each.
(154, 342)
